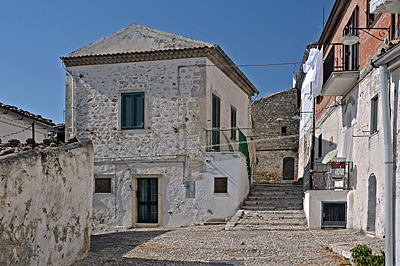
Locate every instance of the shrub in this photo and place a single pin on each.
(362, 255)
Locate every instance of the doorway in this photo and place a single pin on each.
(371, 203)
(147, 192)
(288, 168)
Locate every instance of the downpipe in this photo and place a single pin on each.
(388, 167)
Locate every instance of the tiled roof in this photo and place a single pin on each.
(27, 114)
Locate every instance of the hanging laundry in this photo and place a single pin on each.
(314, 68)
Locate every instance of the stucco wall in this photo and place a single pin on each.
(368, 155)
(45, 207)
(313, 203)
(12, 127)
(232, 166)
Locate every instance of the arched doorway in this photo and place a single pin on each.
(288, 168)
(371, 203)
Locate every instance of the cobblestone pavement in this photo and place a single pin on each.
(212, 245)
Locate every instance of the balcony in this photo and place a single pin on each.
(385, 6)
(340, 69)
(331, 176)
(228, 140)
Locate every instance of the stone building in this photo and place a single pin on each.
(165, 123)
(16, 123)
(276, 128)
(347, 172)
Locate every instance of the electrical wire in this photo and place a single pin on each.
(17, 132)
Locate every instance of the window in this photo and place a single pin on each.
(334, 214)
(102, 185)
(320, 145)
(283, 130)
(220, 185)
(132, 110)
(371, 18)
(233, 123)
(351, 51)
(374, 114)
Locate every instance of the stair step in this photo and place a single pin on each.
(262, 208)
(273, 203)
(269, 228)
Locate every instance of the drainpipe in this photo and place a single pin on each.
(72, 134)
(388, 167)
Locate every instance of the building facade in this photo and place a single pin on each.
(276, 127)
(165, 121)
(16, 123)
(342, 158)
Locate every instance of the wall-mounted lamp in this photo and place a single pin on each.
(351, 39)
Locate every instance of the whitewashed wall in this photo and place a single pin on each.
(11, 123)
(46, 205)
(368, 154)
(176, 116)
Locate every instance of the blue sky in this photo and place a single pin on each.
(35, 34)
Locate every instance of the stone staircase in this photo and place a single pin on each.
(279, 197)
(271, 207)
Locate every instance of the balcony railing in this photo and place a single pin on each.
(330, 176)
(340, 71)
(228, 140)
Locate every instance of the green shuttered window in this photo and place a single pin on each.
(132, 110)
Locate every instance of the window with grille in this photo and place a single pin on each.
(334, 214)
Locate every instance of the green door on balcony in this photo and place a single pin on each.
(147, 200)
(216, 122)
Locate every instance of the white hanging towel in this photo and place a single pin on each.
(314, 67)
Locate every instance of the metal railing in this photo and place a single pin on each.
(330, 176)
(340, 58)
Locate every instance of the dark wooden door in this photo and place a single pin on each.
(147, 200)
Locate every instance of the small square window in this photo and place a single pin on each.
(102, 185)
(220, 185)
(283, 130)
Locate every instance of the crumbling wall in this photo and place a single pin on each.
(46, 205)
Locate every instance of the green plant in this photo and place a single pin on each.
(362, 255)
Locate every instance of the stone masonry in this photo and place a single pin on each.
(277, 131)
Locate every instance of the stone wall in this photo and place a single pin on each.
(172, 146)
(277, 132)
(46, 205)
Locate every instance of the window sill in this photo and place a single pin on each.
(222, 194)
(134, 131)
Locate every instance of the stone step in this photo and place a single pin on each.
(284, 213)
(270, 208)
(215, 221)
(301, 222)
(280, 193)
(269, 228)
(273, 196)
(273, 203)
(277, 188)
